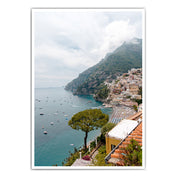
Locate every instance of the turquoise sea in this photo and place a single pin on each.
(58, 106)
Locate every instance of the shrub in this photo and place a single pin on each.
(135, 108)
(87, 157)
(100, 157)
(92, 144)
(107, 127)
(102, 149)
(139, 101)
(133, 154)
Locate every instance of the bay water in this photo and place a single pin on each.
(54, 107)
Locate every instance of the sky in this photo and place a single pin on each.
(67, 42)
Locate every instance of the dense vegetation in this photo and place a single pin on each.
(135, 108)
(139, 101)
(133, 154)
(102, 93)
(127, 56)
(100, 157)
(106, 128)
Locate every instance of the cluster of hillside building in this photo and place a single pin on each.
(125, 88)
(124, 91)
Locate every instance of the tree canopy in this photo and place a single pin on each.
(107, 127)
(87, 121)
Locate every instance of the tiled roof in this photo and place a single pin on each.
(118, 156)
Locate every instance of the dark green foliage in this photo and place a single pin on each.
(127, 56)
(135, 108)
(140, 91)
(87, 121)
(133, 154)
(106, 128)
(102, 93)
(102, 149)
(116, 81)
(139, 101)
(100, 157)
(92, 144)
(126, 75)
(128, 96)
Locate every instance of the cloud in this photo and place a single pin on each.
(114, 34)
(67, 43)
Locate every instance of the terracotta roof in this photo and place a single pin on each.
(118, 156)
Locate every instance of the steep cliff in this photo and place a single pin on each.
(125, 57)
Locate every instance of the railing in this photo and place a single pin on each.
(94, 150)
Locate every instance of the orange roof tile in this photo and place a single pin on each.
(117, 151)
(120, 163)
(117, 155)
(136, 135)
(138, 140)
(126, 142)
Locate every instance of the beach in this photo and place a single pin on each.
(121, 112)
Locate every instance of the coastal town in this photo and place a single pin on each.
(114, 151)
(125, 88)
(125, 96)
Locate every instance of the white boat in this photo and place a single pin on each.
(45, 132)
(52, 123)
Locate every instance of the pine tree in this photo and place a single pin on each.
(87, 121)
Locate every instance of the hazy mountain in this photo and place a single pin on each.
(125, 57)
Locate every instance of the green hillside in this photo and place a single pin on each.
(125, 57)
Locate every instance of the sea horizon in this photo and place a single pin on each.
(49, 87)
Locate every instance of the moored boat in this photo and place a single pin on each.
(45, 132)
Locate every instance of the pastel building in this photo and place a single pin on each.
(121, 135)
(118, 133)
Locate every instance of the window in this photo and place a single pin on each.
(112, 146)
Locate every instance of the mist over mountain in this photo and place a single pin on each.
(125, 57)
